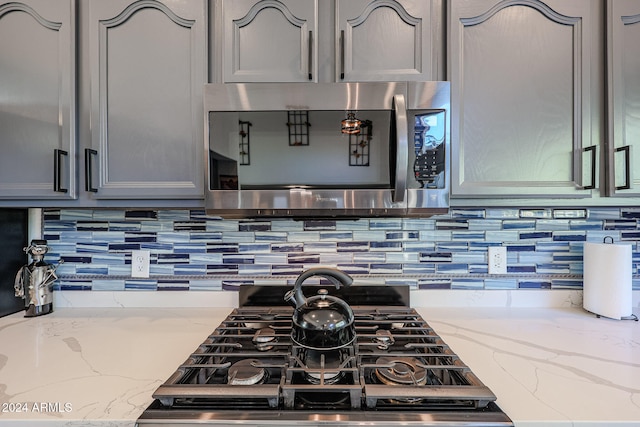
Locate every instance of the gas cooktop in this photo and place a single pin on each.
(397, 371)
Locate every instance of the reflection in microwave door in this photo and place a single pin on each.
(228, 182)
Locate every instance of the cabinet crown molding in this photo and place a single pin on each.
(21, 7)
(534, 4)
(146, 4)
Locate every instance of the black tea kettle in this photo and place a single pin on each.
(321, 322)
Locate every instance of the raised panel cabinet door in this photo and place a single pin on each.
(623, 97)
(520, 74)
(37, 100)
(148, 65)
(388, 40)
(269, 40)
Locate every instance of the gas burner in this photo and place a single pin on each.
(400, 371)
(246, 372)
(323, 366)
(384, 339)
(264, 339)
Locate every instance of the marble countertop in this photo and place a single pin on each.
(99, 366)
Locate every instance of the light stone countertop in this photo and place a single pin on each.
(558, 366)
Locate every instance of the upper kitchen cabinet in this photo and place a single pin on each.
(388, 40)
(623, 55)
(523, 120)
(327, 40)
(269, 40)
(37, 100)
(148, 64)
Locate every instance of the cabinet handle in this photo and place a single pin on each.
(627, 167)
(402, 148)
(341, 54)
(310, 62)
(592, 149)
(88, 170)
(57, 171)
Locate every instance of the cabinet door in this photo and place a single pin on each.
(388, 40)
(520, 74)
(148, 66)
(623, 51)
(270, 40)
(37, 100)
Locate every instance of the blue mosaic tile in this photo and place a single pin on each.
(286, 225)
(141, 215)
(629, 213)
(76, 259)
(208, 258)
(354, 268)
(402, 235)
(238, 237)
(304, 236)
(552, 246)
(468, 257)
(434, 284)
(566, 284)
(107, 285)
(520, 248)
(412, 283)
(508, 213)
(303, 258)
(500, 284)
(520, 269)
(410, 247)
(254, 269)
(536, 213)
(161, 269)
(320, 247)
(272, 258)
(568, 236)
(319, 225)
(485, 225)
(124, 226)
(467, 213)
(585, 225)
(418, 268)
(74, 285)
(386, 268)
(287, 247)
(556, 268)
(418, 224)
(289, 269)
(569, 213)
(271, 236)
(620, 224)
(404, 257)
(467, 284)
(172, 237)
(437, 257)
(534, 284)
(506, 236)
(352, 225)
(139, 237)
(385, 246)
(173, 258)
(435, 235)
(385, 223)
(75, 215)
(352, 246)
(452, 268)
(369, 236)
(174, 215)
(222, 248)
(254, 248)
(237, 259)
(452, 246)
(452, 224)
(190, 269)
(222, 225)
(336, 236)
(604, 213)
(222, 269)
(141, 284)
(334, 258)
(254, 226)
(119, 270)
(60, 226)
(467, 235)
(627, 235)
(157, 247)
(173, 285)
(205, 285)
(206, 236)
(536, 235)
(368, 257)
(190, 248)
(519, 224)
(552, 224)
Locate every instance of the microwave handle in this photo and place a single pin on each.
(402, 146)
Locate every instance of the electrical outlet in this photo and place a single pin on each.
(497, 260)
(140, 263)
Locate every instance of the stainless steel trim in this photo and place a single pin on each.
(402, 153)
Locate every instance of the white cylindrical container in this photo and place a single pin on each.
(607, 281)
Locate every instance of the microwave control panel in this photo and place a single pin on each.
(429, 148)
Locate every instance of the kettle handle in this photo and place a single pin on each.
(335, 276)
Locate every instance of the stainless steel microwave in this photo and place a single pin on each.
(327, 149)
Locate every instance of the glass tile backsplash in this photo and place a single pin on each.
(192, 251)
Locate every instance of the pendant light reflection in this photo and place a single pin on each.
(351, 125)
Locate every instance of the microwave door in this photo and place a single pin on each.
(402, 148)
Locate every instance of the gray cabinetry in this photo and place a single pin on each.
(623, 51)
(523, 122)
(388, 40)
(148, 64)
(37, 100)
(321, 40)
